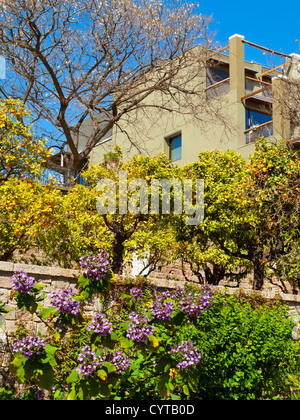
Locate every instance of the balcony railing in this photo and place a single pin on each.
(256, 132)
(218, 88)
(255, 87)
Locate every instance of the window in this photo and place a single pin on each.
(258, 125)
(175, 147)
(256, 118)
(217, 82)
(215, 75)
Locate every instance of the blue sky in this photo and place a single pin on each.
(272, 24)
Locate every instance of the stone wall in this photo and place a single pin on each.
(56, 279)
(53, 278)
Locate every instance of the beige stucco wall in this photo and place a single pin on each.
(210, 124)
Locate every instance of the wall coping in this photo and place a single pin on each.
(40, 270)
(73, 274)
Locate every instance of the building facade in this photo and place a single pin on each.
(244, 101)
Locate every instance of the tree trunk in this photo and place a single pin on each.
(118, 252)
(7, 255)
(214, 276)
(259, 272)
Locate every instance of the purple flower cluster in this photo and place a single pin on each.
(21, 282)
(193, 302)
(100, 325)
(64, 302)
(136, 293)
(29, 346)
(187, 353)
(120, 361)
(89, 361)
(95, 267)
(163, 307)
(139, 330)
(39, 394)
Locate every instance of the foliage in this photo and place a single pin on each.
(202, 246)
(138, 353)
(124, 226)
(251, 215)
(251, 219)
(247, 349)
(20, 154)
(273, 189)
(177, 344)
(294, 382)
(3, 310)
(7, 394)
(78, 229)
(27, 211)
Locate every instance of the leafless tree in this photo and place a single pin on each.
(286, 101)
(73, 60)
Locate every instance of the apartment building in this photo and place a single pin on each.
(253, 101)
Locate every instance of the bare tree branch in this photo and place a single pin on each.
(70, 61)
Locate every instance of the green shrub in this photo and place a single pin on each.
(247, 349)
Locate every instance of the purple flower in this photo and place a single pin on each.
(120, 361)
(95, 267)
(136, 293)
(29, 346)
(193, 302)
(89, 362)
(187, 354)
(64, 302)
(163, 307)
(39, 394)
(138, 329)
(21, 282)
(100, 325)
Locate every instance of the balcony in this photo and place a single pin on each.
(218, 89)
(258, 89)
(217, 82)
(256, 132)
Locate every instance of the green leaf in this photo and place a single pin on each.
(108, 342)
(72, 395)
(28, 302)
(186, 390)
(110, 367)
(50, 351)
(46, 379)
(73, 377)
(126, 343)
(178, 318)
(124, 295)
(38, 287)
(17, 367)
(47, 312)
(102, 374)
(124, 325)
(104, 390)
(83, 281)
(114, 336)
(163, 385)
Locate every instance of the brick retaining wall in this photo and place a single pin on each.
(57, 278)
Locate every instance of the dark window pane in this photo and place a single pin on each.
(175, 148)
(256, 118)
(214, 75)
